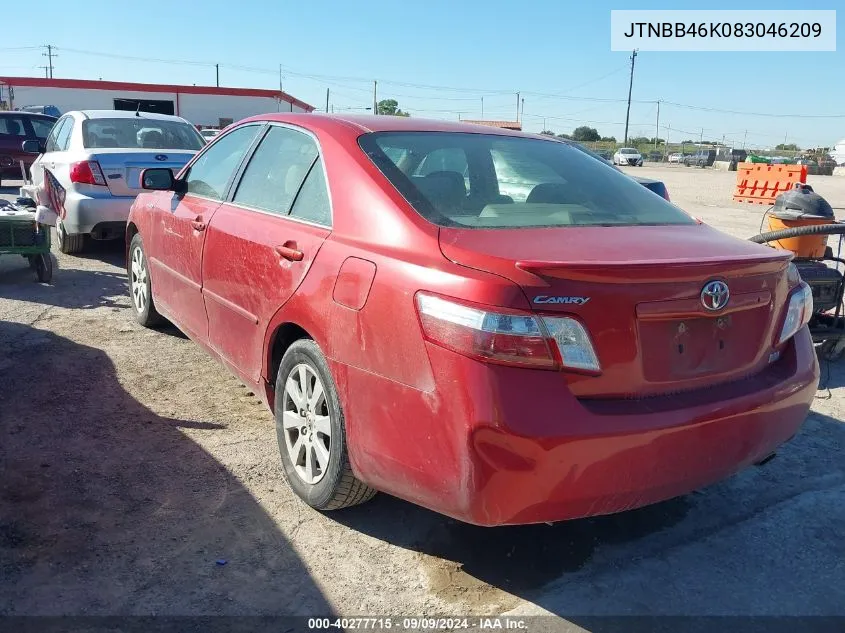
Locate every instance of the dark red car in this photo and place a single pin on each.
(15, 128)
(486, 323)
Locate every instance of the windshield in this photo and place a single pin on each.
(140, 133)
(628, 150)
(493, 181)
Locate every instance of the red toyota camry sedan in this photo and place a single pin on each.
(489, 324)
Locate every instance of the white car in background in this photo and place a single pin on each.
(97, 156)
(628, 156)
(838, 153)
(675, 158)
(209, 133)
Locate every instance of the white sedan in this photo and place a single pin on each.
(676, 158)
(628, 156)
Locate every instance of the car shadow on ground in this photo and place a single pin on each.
(762, 542)
(109, 508)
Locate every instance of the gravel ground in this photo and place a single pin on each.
(132, 467)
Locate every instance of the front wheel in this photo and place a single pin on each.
(311, 432)
(140, 286)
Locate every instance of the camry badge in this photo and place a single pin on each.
(578, 301)
(715, 295)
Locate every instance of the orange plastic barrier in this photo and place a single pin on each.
(759, 183)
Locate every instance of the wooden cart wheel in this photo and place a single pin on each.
(44, 268)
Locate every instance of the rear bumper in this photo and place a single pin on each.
(506, 446)
(84, 213)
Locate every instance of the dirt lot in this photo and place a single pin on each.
(132, 466)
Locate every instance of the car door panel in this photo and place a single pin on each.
(248, 275)
(261, 244)
(179, 229)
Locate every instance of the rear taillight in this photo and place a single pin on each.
(87, 172)
(799, 310)
(507, 337)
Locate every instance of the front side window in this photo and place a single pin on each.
(276, 170)
(516, 182)
(210, 174)
(41, 127)
(140, 133)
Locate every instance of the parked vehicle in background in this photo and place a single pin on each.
(581, 347)
(656, 186)
(15, 128)
(676, 157)
(628, 156)
(49, 110)
(209, 133)
(97, 156)
(838, 153)
(731, 156)
(701, 158)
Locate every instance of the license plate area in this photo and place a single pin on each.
(694, 347)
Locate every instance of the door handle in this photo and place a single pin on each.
(198, 224)
(289, 251)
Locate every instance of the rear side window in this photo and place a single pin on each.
(312, 203)
(12, 126)
(515, 182)
(63, 139)
(211, 173)
(52, 145)
(276, 170)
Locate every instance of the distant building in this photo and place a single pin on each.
(201, 105)
(507, 125)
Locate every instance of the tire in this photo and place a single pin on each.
(69, 244)
(44, 268)
(330, 485)
(140, 286)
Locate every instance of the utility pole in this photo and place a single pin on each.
(522, 114)
(217, 72)
(517, 107)
(701, 140)
(657, 127)
(630, 88)
(280, 79)
(544, 124)
(482, 108)
(327, 100)
(744, 138)
(375, 99)
(48, 69)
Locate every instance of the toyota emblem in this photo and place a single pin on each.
(161, 157)
(715, 295)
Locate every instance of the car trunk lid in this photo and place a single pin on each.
(122, 168)
(638, 290)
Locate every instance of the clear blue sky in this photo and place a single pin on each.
(491, 49)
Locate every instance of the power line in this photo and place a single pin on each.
(49, 54)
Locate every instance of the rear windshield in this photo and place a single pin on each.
(493, 181)
(140, 133)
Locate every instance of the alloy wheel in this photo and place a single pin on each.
(139, 280)
(306, 423)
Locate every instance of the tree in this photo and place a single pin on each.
(791, 147)
(390, 107)
(638, 140)
(566, 136)
(608, 139)
(585, 133)
(548, 133)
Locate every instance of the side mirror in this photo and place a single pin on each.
(33, 146)
(157, 179)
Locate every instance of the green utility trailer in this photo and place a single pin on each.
(21, 235)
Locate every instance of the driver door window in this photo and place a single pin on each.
(210, 175)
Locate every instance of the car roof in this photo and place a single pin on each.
(25, 113)
(126, 114)
(385, 123)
